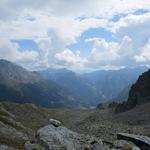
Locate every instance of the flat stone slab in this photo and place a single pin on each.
(142, 142)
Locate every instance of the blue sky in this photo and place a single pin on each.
(26, 44)
(86, 47)
(84, 36)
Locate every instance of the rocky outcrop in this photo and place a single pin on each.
(53, 138)
(141, 141)
(56, 137)
(140, 91)
(138, 94)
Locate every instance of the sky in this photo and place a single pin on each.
(80, 35)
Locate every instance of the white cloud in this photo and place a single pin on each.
(144, 55)
(67, 28)
(69, 58)
(103, 52)
(92, 39)
(9, 51)
(134, 26)
(112, 53)
(55, 24)
(71, 8)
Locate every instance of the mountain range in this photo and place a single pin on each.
(113, 83)
(65, 88)
(20, 85)
(96, 87)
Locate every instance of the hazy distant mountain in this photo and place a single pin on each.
(123, 95)
(64, 88)
(19, 85)
(112, 83)
(79, 87)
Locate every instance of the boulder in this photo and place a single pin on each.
(61, 138)
(143, 142)
(54, 122)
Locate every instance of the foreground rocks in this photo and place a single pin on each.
(56, 137)
(54, 122)
(141, 141)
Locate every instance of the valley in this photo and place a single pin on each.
(74, 74)
(29, 101)
(58, 88)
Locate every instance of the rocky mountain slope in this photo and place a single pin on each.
(139, 93)
(20, 85)
(19, 122)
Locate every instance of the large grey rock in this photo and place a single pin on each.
(61, 138)
(142, 142)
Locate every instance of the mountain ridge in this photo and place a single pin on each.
(20, 85)
(139, 93)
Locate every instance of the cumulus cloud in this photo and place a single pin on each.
(69, 58)
(144, 55)
(134, 26)
(113, 53)
(55, 24)
(9, 51)
(103, 52)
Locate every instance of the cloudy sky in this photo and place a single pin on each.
(81, 35)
